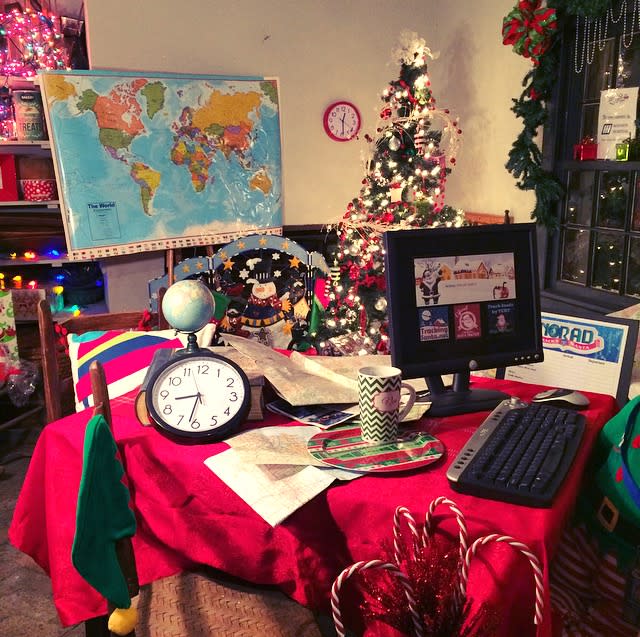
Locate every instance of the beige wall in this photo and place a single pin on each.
(322, 51)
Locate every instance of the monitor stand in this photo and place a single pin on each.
(459, 398)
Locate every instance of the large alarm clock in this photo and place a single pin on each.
(199, 395)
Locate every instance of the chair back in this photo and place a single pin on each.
(56, 367)
(123, 546)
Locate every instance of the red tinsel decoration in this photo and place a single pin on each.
(434, 577)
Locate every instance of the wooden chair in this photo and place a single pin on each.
(56, 367)
(198, 603)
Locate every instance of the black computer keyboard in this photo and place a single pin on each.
(521, 453)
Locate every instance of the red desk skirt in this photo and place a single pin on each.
(187, 516)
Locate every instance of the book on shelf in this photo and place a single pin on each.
(162, 356)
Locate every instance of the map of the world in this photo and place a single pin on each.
(155, 161)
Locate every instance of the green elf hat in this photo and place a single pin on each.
(610, 501)
(103, 515)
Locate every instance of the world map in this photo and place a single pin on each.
(151, 161)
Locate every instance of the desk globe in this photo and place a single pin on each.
(188, 305)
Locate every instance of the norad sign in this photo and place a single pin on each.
(568, 336)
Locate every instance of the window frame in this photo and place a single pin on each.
(561, 128)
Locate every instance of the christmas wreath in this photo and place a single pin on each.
(532, 28)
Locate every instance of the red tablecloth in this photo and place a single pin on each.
(187, 516)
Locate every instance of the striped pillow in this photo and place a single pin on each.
(124, 355)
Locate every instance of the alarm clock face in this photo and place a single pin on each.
(342, 121)
(199, 395)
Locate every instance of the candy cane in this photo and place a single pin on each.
(463, 533)
(397, 533)
(463, 537)
(525, 550)
(359, 567)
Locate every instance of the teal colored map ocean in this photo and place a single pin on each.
(151, 161)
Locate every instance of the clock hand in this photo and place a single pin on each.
(199, 395)
(189, 396)
(195, 404)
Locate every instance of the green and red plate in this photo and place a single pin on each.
(344, 448)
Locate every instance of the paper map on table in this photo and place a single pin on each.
(292, 381)
(317, 380)
(285, 481)
(275, 445)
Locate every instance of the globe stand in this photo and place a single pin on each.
(192, 344)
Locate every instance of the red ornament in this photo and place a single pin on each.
(363, 319)
(145, 321)
(369, 281)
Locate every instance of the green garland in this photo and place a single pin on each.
(585, 8)
(525, 156)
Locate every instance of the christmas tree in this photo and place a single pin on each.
(410, 158)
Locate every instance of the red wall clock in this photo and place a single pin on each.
(342, 121)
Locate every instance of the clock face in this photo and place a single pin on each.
(199, 395)
(342, 121)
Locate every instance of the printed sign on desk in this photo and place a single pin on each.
(616, 119)
(584, 354)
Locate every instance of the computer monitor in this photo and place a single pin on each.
(461, 300)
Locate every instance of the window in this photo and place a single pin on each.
(594, 256)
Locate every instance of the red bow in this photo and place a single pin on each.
(529, 29)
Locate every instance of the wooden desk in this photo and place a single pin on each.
(187, 516)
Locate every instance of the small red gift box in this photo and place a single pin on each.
(586, 149)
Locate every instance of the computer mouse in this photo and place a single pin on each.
(567, 398)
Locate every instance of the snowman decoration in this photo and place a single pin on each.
(264, 306)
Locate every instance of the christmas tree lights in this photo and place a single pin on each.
(404, 185)
(30, 41)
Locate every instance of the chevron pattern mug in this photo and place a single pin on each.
(379, 389)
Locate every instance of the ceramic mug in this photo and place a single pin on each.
(379, 389)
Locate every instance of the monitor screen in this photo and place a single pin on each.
(460, 300)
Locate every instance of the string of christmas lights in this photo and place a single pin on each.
(30, 41)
